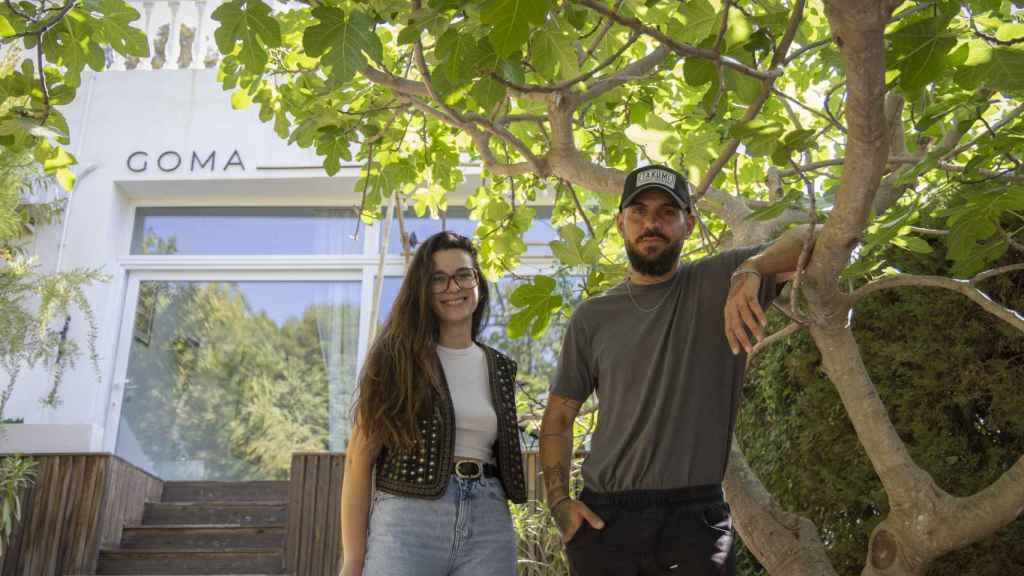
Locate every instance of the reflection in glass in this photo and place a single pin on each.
(245, 231)
(457, 220)
(228, 379)
(388, 293)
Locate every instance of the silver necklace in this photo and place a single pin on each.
(668, 293)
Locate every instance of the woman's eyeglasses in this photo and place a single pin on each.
(464, 278)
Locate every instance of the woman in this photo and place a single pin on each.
(435, 428)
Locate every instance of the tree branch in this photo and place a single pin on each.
(925, 521)
(894, 102)
(633, 71)
(755, 107)
(684, 50)
(400, 85)
(828, 108)
(988, 37)
(1006, 119)
(783, 542)
(966, 287)
(467, 121)
(39, 33)
(839, 160)
(859, 27)
(579, 206)
(789, 330)
(734, 211)
(807, 108)
(891, 189)
(562, 160)
(428, 84)
(512, 118)
(889, 457)
(1019, 247)
(982, 276)
(826, 41)
(606, 25)
(994, 507)
(44, 27)
(928, 231)
(480, 141)
(577, 168)
(17, 11)
(1008, 175)
(42, 80)
(566, 84)
(501, 132)
(717, 47)
(366, 188)
(805, 253)
(805, 49)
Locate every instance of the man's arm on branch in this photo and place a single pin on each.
(743, 311)
(781, 257)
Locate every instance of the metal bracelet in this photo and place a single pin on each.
(744, 271)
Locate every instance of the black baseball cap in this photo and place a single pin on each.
(656, 178)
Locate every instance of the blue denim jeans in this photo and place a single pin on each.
(467, 532)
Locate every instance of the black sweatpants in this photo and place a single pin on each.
(647, 532)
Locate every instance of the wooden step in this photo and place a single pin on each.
(149, 561)
(218, 513)
(203, 537)
(256, 491)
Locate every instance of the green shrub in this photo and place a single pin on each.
(950, 375)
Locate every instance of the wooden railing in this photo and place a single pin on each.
(77, 504)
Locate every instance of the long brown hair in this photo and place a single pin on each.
(402, 366)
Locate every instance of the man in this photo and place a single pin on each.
(667, 366)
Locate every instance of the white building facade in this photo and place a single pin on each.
(240, 292)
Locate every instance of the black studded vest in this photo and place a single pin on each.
(425, 473)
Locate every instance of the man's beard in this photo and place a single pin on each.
(658, 264)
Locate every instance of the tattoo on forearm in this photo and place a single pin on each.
(556, 477)
(568, 402)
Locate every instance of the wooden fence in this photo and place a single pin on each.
(77, 504)
(313, 545)
(81, 502)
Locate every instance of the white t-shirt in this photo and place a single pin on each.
(476, 423)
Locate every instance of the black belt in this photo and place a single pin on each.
(471, 470)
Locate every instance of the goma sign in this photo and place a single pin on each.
(172, 161)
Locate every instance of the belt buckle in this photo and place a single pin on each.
(477, 470)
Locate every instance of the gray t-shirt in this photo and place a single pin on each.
(668, 385)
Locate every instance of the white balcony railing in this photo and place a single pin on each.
(180, 34)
